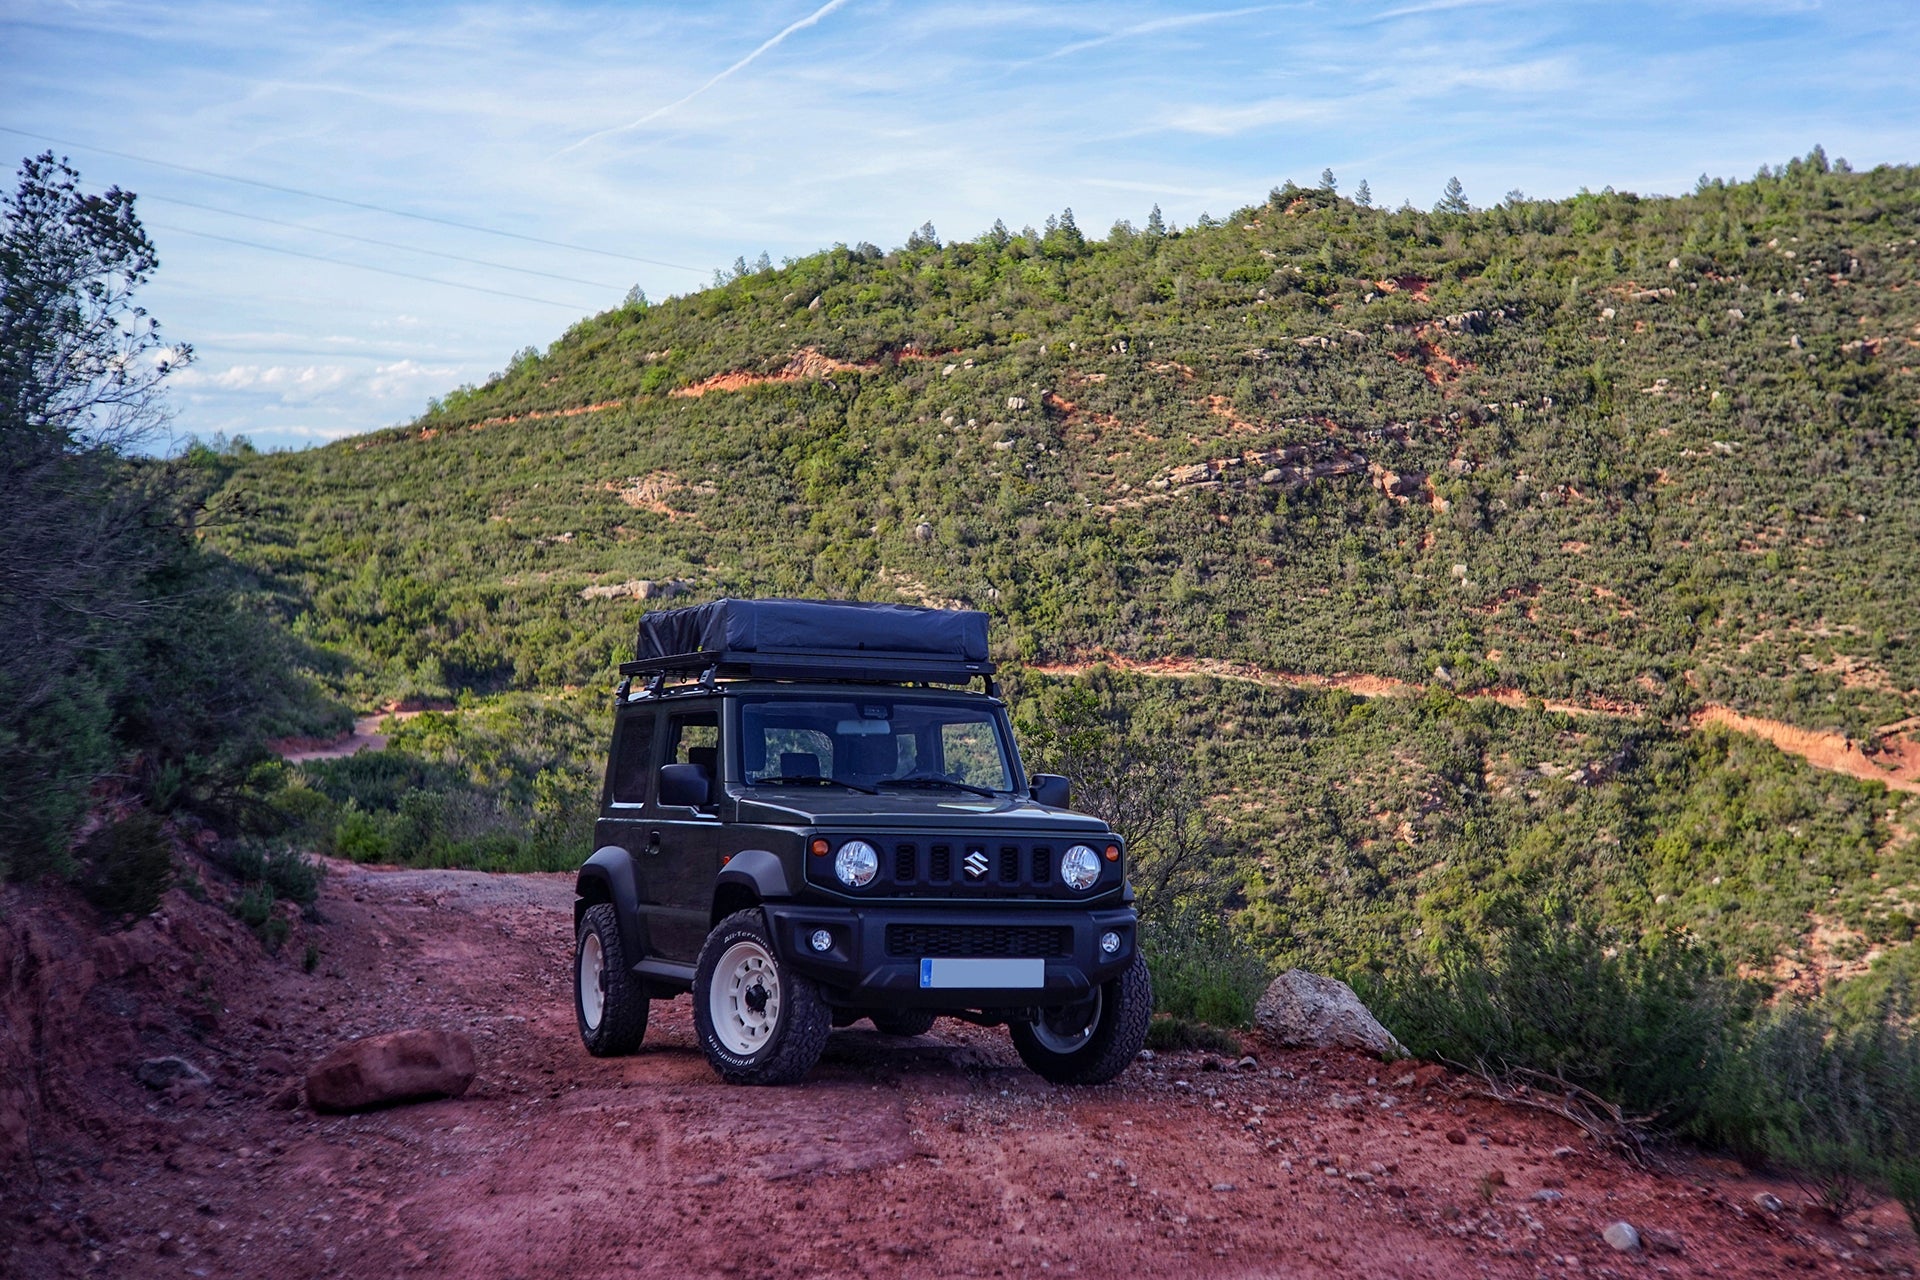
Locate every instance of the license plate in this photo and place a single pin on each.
(983, 973)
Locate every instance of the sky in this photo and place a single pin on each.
(360, 206)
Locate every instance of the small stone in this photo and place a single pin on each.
(1360, 1177)
(1547, 1195)
(1622, 1236)
(1561, 1153)
(1224, 1186)
(1247, 1063)
(1658, 1241)
(1860, 1240)
(1146, 1055)
(708, 1180)
(1457, 1137)
(1768, 1202)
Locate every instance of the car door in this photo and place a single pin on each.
(684, 844)
(624, 817)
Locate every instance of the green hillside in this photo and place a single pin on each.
(1629, 453)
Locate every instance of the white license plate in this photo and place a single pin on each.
(983, 973)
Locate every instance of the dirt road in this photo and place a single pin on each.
(935, 1156)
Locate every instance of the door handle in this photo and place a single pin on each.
(653, 842)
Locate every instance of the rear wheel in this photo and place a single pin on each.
(759, 1022)
(1093, 1041)
(903, 1022)
(608, 1002)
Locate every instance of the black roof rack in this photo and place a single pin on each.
(814, 640)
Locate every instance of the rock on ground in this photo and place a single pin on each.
(402, 1067)
(1304, 1010)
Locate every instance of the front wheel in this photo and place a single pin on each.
(608, 1002)
(1093, 1041)
(758, 1021)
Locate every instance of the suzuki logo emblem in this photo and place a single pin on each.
(976, 865)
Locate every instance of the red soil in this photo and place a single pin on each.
(933, 1156)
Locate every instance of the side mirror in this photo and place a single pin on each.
(1051, 789)
(685, 786)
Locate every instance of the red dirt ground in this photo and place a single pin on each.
(934, 1156)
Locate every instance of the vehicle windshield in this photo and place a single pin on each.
(873, 742)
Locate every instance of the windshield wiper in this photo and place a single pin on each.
(935, 780)
(812, 779)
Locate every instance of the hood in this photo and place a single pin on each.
(907, 810)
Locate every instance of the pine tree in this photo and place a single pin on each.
(998, 234)
(1156, 225)
(1326, 181)
(1363, 195)
(1453, 199)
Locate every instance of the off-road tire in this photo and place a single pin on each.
(903, 1022)
(792, 1038)
(1119, 1032)
(622, 1015)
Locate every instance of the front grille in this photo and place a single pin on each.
(960, 940)
(1009, 865)
(905, 864)
(939, 864)
(1042, 864)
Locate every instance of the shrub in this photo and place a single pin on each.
(127, 866)
(1836, 1099)
(1202, 971)
(1641, 1023)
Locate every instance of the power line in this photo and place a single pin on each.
(351, 204)
(385, 271)
(385, 244)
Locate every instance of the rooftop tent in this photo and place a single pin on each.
(822, 639)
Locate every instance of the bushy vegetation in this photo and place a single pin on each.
(136, 675)
(508, 785)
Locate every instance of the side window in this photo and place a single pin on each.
(694, 738)
(632, 760)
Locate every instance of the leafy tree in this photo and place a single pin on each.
(121, 647)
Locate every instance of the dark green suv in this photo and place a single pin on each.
(811, 817)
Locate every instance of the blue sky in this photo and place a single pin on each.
(689, 135)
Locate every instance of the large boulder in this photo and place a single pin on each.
(402, 1067)
(1306, 1011)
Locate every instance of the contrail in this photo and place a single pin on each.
(657, 112)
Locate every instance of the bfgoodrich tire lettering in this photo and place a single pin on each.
(1102, 1049)
(758, 1021)
(608, 1002)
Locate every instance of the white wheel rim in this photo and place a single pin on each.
(744, 999)
(592, 981)
(1070, 1041)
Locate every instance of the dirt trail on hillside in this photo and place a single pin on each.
(934, 1156)
(1894, 760)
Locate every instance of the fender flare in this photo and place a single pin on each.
(608, 875)
(757, 870)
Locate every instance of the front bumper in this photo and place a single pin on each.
(874, 962)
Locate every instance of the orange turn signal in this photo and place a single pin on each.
(819, 848)
(1113, 853)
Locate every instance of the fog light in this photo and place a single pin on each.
(823, 941)
(1109, 942)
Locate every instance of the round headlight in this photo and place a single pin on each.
(856, 864)
(1080, 866)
